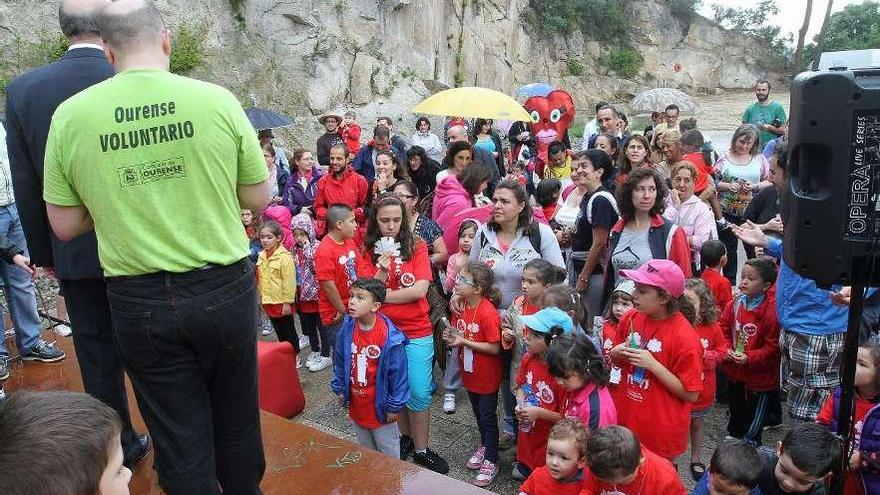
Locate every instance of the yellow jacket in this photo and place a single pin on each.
(276, 277)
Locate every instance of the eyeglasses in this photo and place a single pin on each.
(463, 281)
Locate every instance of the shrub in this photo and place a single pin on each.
(625, 61)
(575, 68)
(188, 48)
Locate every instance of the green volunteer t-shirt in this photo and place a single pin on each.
(764, 114)
(156, 159)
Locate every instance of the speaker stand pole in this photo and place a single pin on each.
(847, 381)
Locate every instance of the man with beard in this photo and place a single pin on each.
(767, 115)
(329, 139)
(608, 119)
(341, 185)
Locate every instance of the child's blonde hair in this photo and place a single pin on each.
(571, 429)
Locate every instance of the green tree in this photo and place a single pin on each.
(754, 21)
(856, 27)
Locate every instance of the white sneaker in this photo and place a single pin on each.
(299, 363)
(63, 330)
(266, 331)
(449, 403)
(310, 361)
(487, 474)
(303, 342)
(321, 363)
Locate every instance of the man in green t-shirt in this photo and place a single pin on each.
(767, 115)
(160, 166)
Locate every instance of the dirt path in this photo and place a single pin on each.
(724, 112)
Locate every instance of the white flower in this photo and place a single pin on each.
(705, 343)
(655, 345)
(529, 377)
(607, 344)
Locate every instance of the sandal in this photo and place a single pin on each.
(698, 469)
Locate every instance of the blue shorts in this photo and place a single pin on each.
(420, 362)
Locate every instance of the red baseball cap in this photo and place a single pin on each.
(663, 274)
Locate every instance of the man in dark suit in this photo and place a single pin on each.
(31, 99)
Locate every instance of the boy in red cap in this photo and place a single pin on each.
(657, 356)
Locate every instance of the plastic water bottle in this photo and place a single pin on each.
(530, 400)
(638, 375)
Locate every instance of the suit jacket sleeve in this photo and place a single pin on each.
(28, 187)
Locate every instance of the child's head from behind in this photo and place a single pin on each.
(543, 327)
(621, 300)
(466, 233)
(868, 370)
(548, 191)
(340, 219)
(537, 275)
(757, 275)
(564, 297)
(614, 454)
(701, 298)
(566, 446)
(247, 217)
(70, 434)
(270, 234)
(574, 362)
(659, 288)
(734, 469)
(807, 454)
(367, 296)
(713, 254)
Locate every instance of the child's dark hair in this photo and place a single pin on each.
(404, 235)
(273, 227)
(548, 191)
(373, 286)
(336, 213)
(708, 307)
(68, 434)
(574, 353)
(616, 296)
(484, 279)
(765, 267)
(812, 448)
(571, 429)
(711, 253)
(547, 273)
(737, 462)
(613, 452)
(872, 345)
(468, 224)
(562, 296)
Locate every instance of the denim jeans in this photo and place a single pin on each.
(19, 287)
(485, 408)
(188, 343)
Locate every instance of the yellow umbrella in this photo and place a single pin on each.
(473, 102)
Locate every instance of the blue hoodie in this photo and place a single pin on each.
(392, 384)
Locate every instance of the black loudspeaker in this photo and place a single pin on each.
(830, 202)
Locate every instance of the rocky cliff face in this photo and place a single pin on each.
(380, 57)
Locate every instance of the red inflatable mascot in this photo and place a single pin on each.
(551, 117)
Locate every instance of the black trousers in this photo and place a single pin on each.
(285, 329)
(188, 344)
(731, 243)
(318, 334)
(95, 346)
(485, 408)
(748, 411)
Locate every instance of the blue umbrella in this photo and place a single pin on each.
(266, 119)
(534, 89)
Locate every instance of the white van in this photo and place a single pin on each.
(850, 59)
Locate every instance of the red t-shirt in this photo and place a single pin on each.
(656, 476)
(479, 324)
(412, 317)
(720, 287)
(714, 348)
(336, 263)
(531, 446)
(656, 415)
(851, 483)
(365, 350)
(540, 482)
(609, 331)
(704, 170)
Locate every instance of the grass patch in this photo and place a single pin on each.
(188, 48)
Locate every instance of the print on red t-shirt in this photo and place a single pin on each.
(480, 372)
(649, 409)
(336, 263)
(366, 347)
(531, 446)
(412, 317)
(540, 482)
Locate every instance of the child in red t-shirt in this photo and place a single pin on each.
(335, 266)
(477, 330)
(620, 302)
(713, 257)
(714, 349)
(864, 463)
(751, 364)
(539, 397)
(369, 369)
(659, 357)
(619, 464)
(351, 132)
(562, 472)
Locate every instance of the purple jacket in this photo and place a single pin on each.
(869, 443)
(295, 197)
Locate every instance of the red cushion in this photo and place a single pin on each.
(280, 390)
